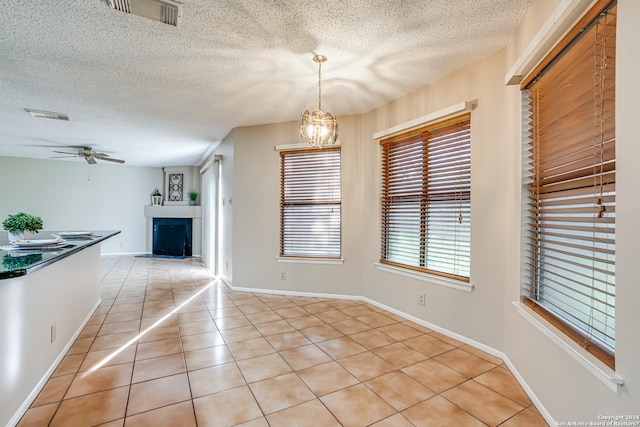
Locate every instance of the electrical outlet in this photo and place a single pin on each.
(53, 332)
(422, 299)
(283, 275)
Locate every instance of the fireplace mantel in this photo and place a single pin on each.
(151, 211)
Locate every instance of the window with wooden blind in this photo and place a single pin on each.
(572, 173)
(426, 199)
(310, 203)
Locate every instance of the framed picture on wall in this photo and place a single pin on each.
(176, 181)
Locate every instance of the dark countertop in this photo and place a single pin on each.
(22, 262)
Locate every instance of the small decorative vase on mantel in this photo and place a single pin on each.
(193, 198)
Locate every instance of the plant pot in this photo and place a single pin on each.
(192, 202)
(21, 235)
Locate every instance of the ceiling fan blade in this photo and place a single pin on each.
(109, 159)
(65, 152)
(62, 157)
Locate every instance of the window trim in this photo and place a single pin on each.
(429, 119)
(461, 285)
(594, 366)
(564, 17)
(315, 260)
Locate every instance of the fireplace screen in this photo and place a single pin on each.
(172, 236)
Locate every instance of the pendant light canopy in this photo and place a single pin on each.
(319, 128)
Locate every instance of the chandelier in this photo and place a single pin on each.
(319, 128)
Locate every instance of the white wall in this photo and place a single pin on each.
(75, 196)
(486, 315)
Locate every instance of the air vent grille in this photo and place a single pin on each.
(165, 11)
(41, 114)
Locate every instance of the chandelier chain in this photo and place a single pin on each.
(320, 86)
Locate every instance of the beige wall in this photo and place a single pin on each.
(256, 187)
(567, 391)
(483, 314)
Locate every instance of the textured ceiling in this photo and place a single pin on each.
(157, 95)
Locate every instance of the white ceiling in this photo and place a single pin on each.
(157, 95)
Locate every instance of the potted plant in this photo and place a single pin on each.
(22, 225)
(193, 196)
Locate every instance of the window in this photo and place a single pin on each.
(570, 238)
(426, 199)
(310, 201)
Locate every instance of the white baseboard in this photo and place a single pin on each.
(138, 254)
(124, 253)
(487, 349)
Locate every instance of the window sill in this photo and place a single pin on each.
(426, 277)
(302, 260)
(598, 369)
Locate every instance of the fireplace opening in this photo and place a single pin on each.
(172, 237)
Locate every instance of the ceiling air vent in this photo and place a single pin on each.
(165, 11)
(46, 114)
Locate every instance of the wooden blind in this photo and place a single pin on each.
(310, 202)
(426, 199)
(571, 209)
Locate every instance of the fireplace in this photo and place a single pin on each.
(172, 237)
(192, 213)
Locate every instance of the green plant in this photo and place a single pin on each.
(193, 196)
(22, 222)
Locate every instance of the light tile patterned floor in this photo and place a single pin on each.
(240, 359)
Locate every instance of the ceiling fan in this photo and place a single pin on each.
(88, 154)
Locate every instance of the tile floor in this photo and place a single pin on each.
(255, 360)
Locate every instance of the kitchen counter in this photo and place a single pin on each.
(46, 299)
(17, 263)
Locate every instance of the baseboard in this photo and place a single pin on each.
(139, 254)
(43, 381)
(124, 253)
(534, 399)
(487, 349)
(290, 293)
